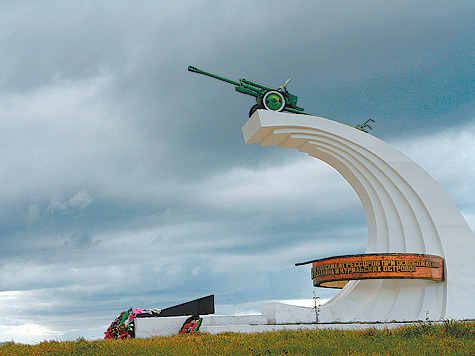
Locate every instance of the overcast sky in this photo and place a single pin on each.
(125, 179)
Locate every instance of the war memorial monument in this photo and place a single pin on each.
(419, 258)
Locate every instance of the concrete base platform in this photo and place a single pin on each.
(280, 313)
(274, 317)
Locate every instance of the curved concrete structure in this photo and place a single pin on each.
(406, 211)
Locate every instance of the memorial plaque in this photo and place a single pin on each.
(335, 272)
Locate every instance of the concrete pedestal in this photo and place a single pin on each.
(406, 212)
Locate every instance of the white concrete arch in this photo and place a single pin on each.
(406, 212)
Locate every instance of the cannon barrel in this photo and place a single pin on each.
(199, 71)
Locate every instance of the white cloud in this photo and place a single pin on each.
(29, 333)
(14, 303)
(80, 200)
(33, 213)
(449, 157)
(302, 185)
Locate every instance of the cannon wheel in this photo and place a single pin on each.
(273, 100)
(254, 108)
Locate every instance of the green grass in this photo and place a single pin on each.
(449, 338)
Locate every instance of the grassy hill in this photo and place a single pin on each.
(449, 338)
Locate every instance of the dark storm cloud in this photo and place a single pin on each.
(51, 42)
(125, 179)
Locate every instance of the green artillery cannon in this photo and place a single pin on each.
(267, 98)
